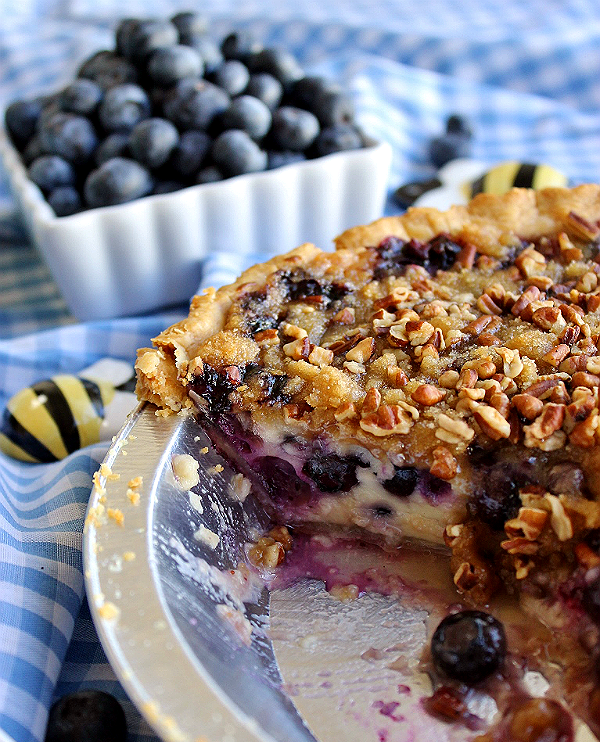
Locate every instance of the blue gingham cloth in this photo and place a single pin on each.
(529, 83)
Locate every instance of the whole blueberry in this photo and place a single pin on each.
(210, 174)
(266, 88)
(116, 181)
(339, 138)
(448, 147)
(50, 171)
(33, 150)
(193, 104)
(235, 153)
(149, 35)
(468, 646)
(305, 91)
(21, 118)
(123, 107)
(279, 159)
(115, 145)
(123, 34)
(208, 50)
(81, 96)
(232, 76)
(86, 716)
(167, 186)
(248, 114)
(189, 25)
(456, 124)
(277, 62)
(239, 45)
(190, 152)
(69, 136)
(167, 66)
(108, 69)
(65, 200)
(332, 107)
(293, 128)
(152, 141)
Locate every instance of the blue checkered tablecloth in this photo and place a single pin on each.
(528, 79)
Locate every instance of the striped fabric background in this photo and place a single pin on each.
(527, 79)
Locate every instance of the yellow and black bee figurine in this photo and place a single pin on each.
(512, 174)
(459, 180)
(52, 418)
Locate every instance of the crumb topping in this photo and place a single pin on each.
(425, 334)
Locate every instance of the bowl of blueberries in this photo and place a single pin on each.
(174, 145)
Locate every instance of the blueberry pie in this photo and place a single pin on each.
(433, 379)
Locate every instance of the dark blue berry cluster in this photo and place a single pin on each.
(170, 107)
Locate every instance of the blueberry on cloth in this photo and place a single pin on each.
(123, 107)
(456, 124)
(69, 136)
(266, 88)
(21, 118)
(339, 138)
(235, 153)
(193, 104)
(468, 646)
(148, 35)
(167, 66)
(248, 114)
(152, 141)
(50, 171)
(115, 145)
(108, 69)
(232, 76)
(277, 62)
(65, 200)
(190, 152)
(86, 716)
(81, 96)
(189, 25)
(294, 128)
(115, 182)
(448, 147)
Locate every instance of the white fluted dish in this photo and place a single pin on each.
(147, 254)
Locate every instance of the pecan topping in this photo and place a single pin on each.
(491, 422)
(388, 420)
(427, 394)
(444, 464)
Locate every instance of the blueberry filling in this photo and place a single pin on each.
(280, 480)
(332, 473)
(404, 481)
(274, 387)
(395, 254)
(299, 288)
(215, 387)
